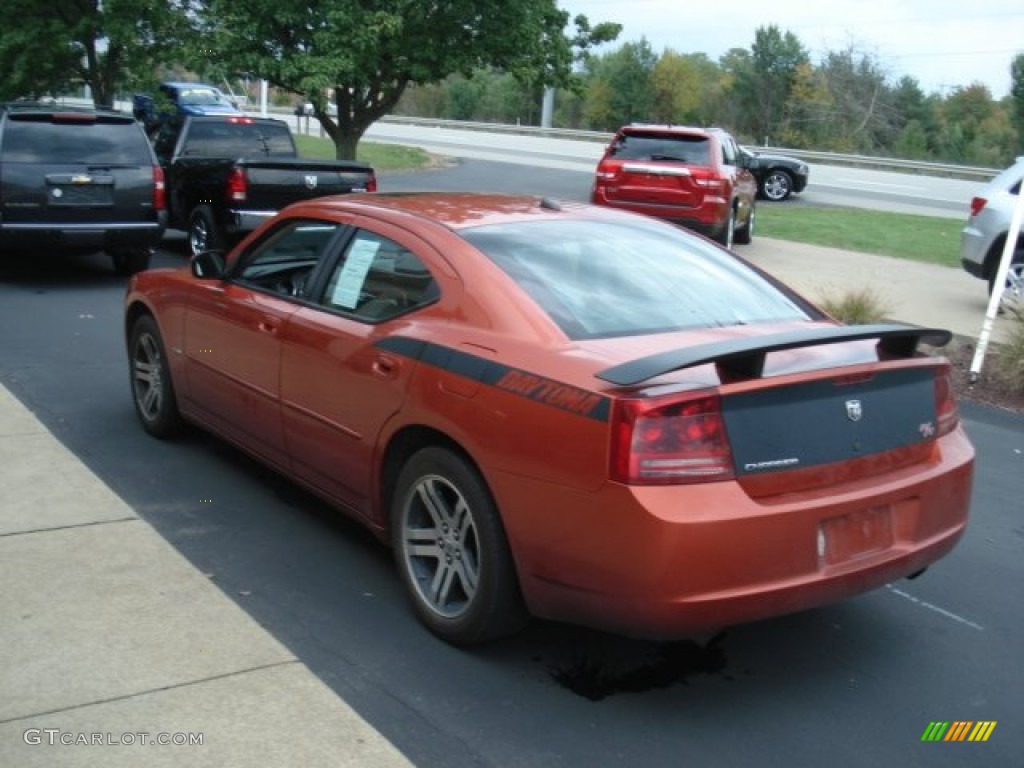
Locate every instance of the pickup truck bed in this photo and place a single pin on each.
(226, 175)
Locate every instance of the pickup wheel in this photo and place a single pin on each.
(203, 232)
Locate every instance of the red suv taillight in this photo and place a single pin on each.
(371, 183)
(670, 440)
(159, 189)
(710, 181)
(238, 185)
(946, 412)
(606, 171)
(977, 203)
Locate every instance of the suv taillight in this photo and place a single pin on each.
(977, 203)
(709, 180)
(670, 440)
(946, 413)
(238, 185)
(606, 171)
(159, 189)
(371, 183)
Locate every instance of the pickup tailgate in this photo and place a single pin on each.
(273, 184)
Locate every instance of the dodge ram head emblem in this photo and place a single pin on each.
(854, 410)
(311, 182)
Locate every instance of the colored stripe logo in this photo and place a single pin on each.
(958, 730)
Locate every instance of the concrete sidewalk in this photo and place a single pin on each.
(107, 633)
(922, 294)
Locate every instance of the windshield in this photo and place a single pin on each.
(598, 279)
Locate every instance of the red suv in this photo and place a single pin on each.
(689, 176)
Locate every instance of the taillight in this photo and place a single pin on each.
(977, 203)
(159, 189)
(371, 183)
(670, 440)
(946, 413)
(238, 184)
(606, 171)
(712, 182)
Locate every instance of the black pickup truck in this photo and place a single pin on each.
(227, 174)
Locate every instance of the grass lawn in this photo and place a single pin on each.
(383, 157)
(921, 238)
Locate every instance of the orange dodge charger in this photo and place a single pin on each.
(556, 409)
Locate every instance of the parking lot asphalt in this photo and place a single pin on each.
(111, 642)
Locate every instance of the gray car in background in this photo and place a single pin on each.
(984, 235)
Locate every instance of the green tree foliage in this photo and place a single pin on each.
(364, 55)
(621, 84)
(48, 48)
(1017, 98)
(764, 81)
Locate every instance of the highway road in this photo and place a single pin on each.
(829, 184)
(854, 684)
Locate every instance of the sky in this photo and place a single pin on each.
(942, 43)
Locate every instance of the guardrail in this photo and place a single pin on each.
(830, 158)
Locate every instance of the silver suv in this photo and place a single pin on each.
(984, 235)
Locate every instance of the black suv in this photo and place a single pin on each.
(81, 180)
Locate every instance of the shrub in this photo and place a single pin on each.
(1009, 365)
(856, 306)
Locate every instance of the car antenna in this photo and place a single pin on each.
(550, 204)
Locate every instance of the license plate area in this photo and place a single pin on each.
(860, 533)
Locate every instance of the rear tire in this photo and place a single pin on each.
(130, 262)
(745, 234)
(152, 388)
(727, 236)
(1013, 291)
(451, 550)
(203, 232)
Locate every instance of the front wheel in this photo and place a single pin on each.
(152, 389)
(777, 185)
(451, 550)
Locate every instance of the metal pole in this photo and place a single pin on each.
(998, 286)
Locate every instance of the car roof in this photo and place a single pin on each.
(461, 210)
(670, 128)
(44, 109)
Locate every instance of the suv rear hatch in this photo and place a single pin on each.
(651, 168)
(73, 168)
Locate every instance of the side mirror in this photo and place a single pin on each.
(208, 265)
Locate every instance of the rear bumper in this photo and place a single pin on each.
(672, 561)
(78, 236)
(974, 247)
(709, 219)
(246, 221)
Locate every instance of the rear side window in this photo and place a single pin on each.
(695, 150)
(600, 279)
(74, 142)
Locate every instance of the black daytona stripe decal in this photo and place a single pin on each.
(540, 389)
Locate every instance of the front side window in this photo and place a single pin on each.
(600, 279)
(284, 262)
(378, 279)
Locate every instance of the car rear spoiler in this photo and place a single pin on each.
(744, 358)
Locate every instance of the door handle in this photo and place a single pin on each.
(267, 326)
(385, 367)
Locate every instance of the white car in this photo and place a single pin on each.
(984, 235)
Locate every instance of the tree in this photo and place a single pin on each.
(764, 81)
(105, 45)
(1017, 98)
(679, 84)
(363, 55)
(622, 82)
